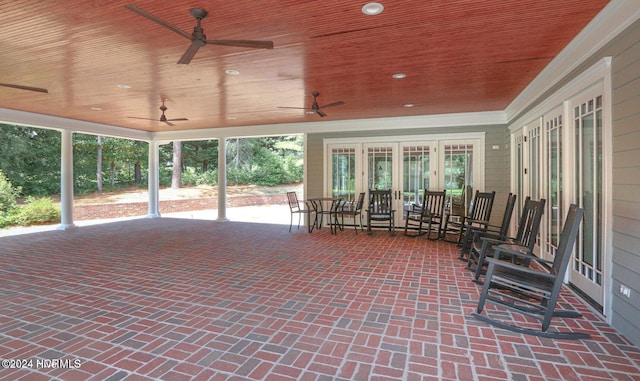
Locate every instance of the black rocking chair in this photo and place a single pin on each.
(524, 241)
(480, 210)
(429, 213)
(485, 229)
(533, 292)
(380, 209)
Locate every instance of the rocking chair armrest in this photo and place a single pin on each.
(512, 267)
(416, 208)
(414, 213)
(522, 253)
(470, 221)
(516, 250)
(493, 239)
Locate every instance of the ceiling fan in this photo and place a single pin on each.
(163, 117)
(198, 38)
(315, 107)
(21, 87)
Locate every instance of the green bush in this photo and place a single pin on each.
(189, 177)
(8, 194)
(208, 178)
(37, 210)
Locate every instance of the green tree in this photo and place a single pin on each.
(31, 159)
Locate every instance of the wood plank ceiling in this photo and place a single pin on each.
(458, 56)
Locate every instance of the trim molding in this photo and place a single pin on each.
(413, 122)
(56, 123)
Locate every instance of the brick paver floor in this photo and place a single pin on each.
(183, 299)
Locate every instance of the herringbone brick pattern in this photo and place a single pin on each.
(179, 299)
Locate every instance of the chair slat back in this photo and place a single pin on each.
(482, 205)
(567, 240)
(380, 202)
(433, 203)
(529, 224)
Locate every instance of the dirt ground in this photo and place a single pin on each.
(141, 194)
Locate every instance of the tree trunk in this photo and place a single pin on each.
(177, 165)
(99, 166)
(137, 173)
(113, 174)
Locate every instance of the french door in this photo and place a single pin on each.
(587, 125)
(562, 158)
(406, 167)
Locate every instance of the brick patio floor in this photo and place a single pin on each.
(183, 299)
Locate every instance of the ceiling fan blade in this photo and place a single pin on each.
(338, 103)
(135, 117)
(321, 113)
(176, 119)
(299, 108)
(169, 123)
(188, 55)
(157, 20)
(38, 89)
(243, 43)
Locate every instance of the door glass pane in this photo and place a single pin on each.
(343, 173)
(458, 175)
(415, 174)
(588, 146)
(534, 163)
(554, 165)
(380, 165)
(519, 174)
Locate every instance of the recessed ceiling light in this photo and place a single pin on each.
(124, 86)
(309, 112)
(231, 118)
(96, 108)
(232, 72)
(399, 75)
(408, 105)
(372, 9)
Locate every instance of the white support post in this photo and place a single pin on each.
(154, 180)
(222, 179)
(66, 180)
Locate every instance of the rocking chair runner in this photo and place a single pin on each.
(525, 239)
(482, 229)
(430, 212)
(532, 291)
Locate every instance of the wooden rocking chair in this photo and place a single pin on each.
(484, 229)
(380, 209)
(524, 241)
(480, 210)
(429, 214)
(532, 291)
